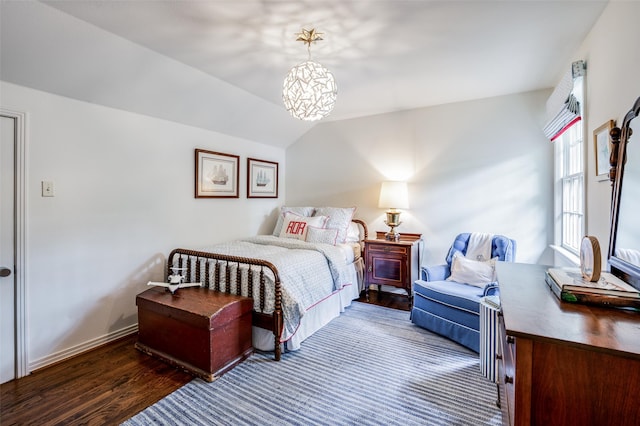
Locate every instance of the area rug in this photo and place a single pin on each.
(370, 366)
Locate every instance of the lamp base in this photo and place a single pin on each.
(393, 220)
(392, 235)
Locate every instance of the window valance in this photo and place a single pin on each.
(563, 107)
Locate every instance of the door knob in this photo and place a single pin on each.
(4, 272)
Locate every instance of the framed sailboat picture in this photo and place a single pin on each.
(262, 178)
(217, 175)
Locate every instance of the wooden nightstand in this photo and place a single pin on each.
(392, 263)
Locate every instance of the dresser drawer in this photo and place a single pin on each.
(506, 375)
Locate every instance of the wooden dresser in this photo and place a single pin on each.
(564, 364)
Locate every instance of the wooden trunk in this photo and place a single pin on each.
(200, 330)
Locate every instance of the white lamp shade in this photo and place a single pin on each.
(394, 195)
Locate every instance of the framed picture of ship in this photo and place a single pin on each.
(262, 178)
(217, 175)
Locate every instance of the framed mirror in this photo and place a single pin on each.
(624, 241)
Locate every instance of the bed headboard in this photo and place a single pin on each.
(364, 231)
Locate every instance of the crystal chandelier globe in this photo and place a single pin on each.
(309, 91)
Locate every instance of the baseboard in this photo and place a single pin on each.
(83, 347)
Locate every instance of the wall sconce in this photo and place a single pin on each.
(393, 195)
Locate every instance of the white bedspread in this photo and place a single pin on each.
(308, 272)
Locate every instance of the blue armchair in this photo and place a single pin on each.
(450, 308)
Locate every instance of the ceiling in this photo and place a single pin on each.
(386, 55)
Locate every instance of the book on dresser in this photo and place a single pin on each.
(569, 285)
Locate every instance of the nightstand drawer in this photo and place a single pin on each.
(388, 248)
(388, 271)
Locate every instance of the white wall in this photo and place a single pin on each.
(473, 166)
(612, 86)
(124, 197)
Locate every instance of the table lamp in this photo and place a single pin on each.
(394, 196)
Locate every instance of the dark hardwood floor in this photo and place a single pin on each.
(106, 385)
(389, 300)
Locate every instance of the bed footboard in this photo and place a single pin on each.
(225, 281)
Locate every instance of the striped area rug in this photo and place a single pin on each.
(370, 366)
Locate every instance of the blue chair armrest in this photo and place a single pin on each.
(435, 272)
(491, 289)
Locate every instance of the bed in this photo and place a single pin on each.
(298, 283)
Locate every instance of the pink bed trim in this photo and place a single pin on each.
(316, 304)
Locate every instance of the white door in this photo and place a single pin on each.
(7, 254)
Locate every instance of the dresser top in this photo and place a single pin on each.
(531, 310)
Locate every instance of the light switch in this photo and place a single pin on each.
(47, 188)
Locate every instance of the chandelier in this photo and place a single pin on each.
(309, 91)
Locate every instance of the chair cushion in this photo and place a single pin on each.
(450, 301)
(450, 293)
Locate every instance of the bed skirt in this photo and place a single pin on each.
(318, 315)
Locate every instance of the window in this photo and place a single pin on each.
(564, 128)
(570, 166)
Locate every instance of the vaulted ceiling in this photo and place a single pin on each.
(220, 64)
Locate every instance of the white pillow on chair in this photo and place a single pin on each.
(474, 272)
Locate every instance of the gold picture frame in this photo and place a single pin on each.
(602, 146)
(216, 175)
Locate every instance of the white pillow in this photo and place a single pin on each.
(322, 235)
(339, 218)
(294, 226)
(474, 272)
(353, 234)
(300, 211)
